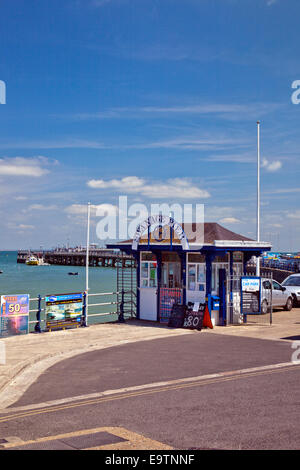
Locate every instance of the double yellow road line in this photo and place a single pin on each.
(222, 378)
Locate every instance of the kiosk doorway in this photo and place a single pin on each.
(148, 287)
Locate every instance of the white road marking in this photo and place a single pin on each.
(153, 385)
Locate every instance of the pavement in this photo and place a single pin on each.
(28, 357)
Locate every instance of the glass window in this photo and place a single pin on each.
(276, 286)
(144, 270)
(148, 274)
(170, 257)
(196, 277)
(196, 258)
(237, 269)
(267, 285)
(215, 275)
(201, 273)
(292, 281)
(221, 259)
(238, 256)
(192, 277)
(148, 256)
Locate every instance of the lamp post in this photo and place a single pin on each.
(87, 259)
(258, 197)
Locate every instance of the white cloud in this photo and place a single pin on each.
(25, 227)
(271, 166)
(275, 225)
(294, 215)
(40, 207)
(184, 142)
(229, 220)
(179, 188)
(129, 183)
(22, 227)
(81, 209)
(284, 191)
(223, 110)
(21, 166)
(20, 198)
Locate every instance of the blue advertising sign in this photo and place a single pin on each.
(64, 310)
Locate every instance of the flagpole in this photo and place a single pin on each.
(258, 196)
(87, 258)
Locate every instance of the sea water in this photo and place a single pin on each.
(19, 278)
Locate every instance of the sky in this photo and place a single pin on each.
(154, 99)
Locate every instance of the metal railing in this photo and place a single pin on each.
(123, 305)
(286, 265)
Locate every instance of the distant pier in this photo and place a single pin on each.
(71, 257)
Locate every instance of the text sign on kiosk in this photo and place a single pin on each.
(251, 295)
(194, 317)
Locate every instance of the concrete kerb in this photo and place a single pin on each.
(20, 376)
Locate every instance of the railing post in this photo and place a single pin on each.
(121, 315)
(84, 309)
(37, 327)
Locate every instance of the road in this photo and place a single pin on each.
(197, 391)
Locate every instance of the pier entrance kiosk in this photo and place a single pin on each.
(174, 267)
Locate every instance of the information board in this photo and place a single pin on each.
(250, 295)
(193, 319)
(63, 310)
(177, 316)
(14, 318)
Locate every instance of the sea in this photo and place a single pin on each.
(18, 278)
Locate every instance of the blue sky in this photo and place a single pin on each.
(163, 94)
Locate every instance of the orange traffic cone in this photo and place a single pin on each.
(206, 318)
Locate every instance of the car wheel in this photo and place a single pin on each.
(264, 307)
(289, 304)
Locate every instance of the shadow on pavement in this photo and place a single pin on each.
(292, 338)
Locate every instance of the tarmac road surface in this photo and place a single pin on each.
(195, 391)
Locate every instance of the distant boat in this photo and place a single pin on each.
(73, 274)
(1, 272)
(32, 261)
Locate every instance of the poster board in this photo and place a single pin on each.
(168, 297)
(193, 319)
(177, 314)
(64, 310)
(14, 316)
(250, 295)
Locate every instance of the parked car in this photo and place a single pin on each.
(281, 297)
(292, 285)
